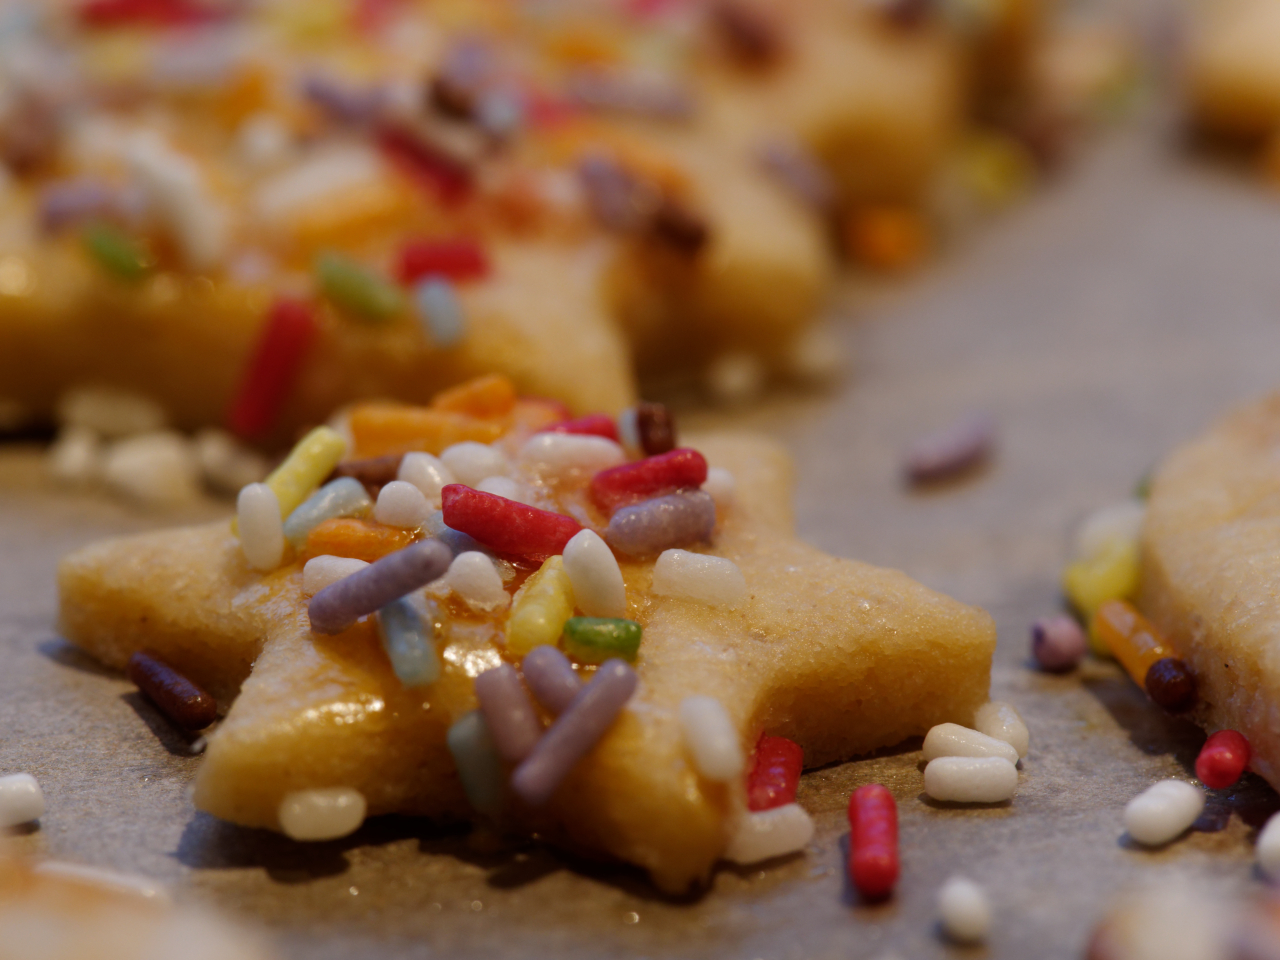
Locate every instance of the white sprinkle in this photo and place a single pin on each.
(177, 191)
(321, 571)
(76, 456)
(110, 412)
(593, 570)
(21, 800)
(1002, 721)
(471, 462)
(563, 455)
(261, 529)
(226, 463)
(965, 910)
(721, 485)
(1163, 811)
(734, 378)
(427, 473)
(112, 880)
(1268, 849)
(324, 814)
(312, 182)
(714, 581)
(711, 737)
(765, 834)
(970, 779)
(505, 487)
(473, 577)
(263, 141)
(953, 740)
(153, 468)
(1117, 522)
(401, 504)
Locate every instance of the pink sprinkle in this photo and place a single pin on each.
(960, 447)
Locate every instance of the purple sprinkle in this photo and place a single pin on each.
(959, 447)
(66, 201)
(636, 94)
(342, 102)
(575, 732)
(508, 712)
(551, 678)
(1057, 643)
(800, 173)
(675, 520)
(341, 604)
(619, 201)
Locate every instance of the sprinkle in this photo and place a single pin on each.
(1111, 574)
(479, 766)
(655, 526)
(596, 639)
(490, 396)
(510, 528)
(1163, 811)
(735, 378)
(953, 740)
(1058, 643)
(75, 457)
(384, 428)
(500, 113)
(176, 190)
(130, 884)
(656, 428)
(319, 572)
(21, 800)
(316, 181)
(970, 779)
(595, 424)
(504, 487)
(116, 251)
(455, 540)
(374, 473)
(766, 834)
(457, 259)
(775, 773)
(722, 486)
(965, 911)
(309, 462)
(1145, 655)
(1223, 759)
(619, 200)
(339, 605)
(540, 608)
(1002, 721)
(714, 581)
(357, 289)
(887, 238)
(260, 527)
(445, 176)
(324, 814)
(593, 570)
(961, 446)
(66, 201)
(1120, 521)
(629, 432)
(401, 504)
(575, 732)
(634, 93)
(176, 696)
(561, 456)
(797, 170)
(471, 462)
(711, 738)
(440, 312)
(273, 368)
(344, 497)
(873, 841)
(344, 103)
(153, 468)
(508, 713)
(408, 642)
(750, 36)
(675, 225)
(473, 578)
(651, 477)
(551, 678)
(358, 539)
(1268, 849)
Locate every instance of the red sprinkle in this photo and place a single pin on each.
(873, 841)
(460, 258)
(178, 698)
(269, 377)
(648, 478)
(153, 13)
(596, 424)
(506, 526)
(445, 177)
(775, 773)
(1223, 759)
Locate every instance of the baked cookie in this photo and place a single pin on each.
(1233, 81)
(678, 590)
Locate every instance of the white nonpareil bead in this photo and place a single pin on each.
(128, 883)
(953, 740)
(714, 581)
(1163, 811)
(964, 910)
(562, 455)
(153, 468)
(735, 378)
(504, 487)
(1119, 521)
(263, 141)
(401, 504)
(597, 581)
(76, 456)
(721, 485)
(177, 191)
(321, 571)
(970, 779)
(323, 814)
(471, 462)
(765, 834)
(1002, 721)
(1268, 849)
(21, 800)
(473, 577)
(427, 473)
(711, 738)
(260, 526)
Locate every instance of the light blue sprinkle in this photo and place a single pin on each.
(479, 766)
(439, 311)
(500, 113)
(344, 497)
(455, 540)
(407, 640)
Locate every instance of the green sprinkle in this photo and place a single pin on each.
(357, 289)
(117, 251)
(596, 639)
(1142, 489)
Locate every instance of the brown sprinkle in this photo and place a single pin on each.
(452, 99)
(1170, 684)
(752, 37)
(374, 472)
(678, 227)
(656, 427)
(177, 697)
(907, 13)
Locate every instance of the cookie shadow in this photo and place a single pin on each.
(1150, 729)
(66, 655)
(178, 742)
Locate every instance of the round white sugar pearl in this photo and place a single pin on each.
(321, 571)
(1002, 721)
(593, 570)
(714, 581)
(473, 577)
(21, 799)
(970, 779)
(76, 456)
(558, 455)
(964, 910)
(1119, 521)
(401, 504)
(110, 412)
(1163, 811)
(261, 529)
(427, 473)
(1268, 849)
(711, 738)
(128, 883)
(721, 485)
(323, 814)
(157, 469)
(226, 463)
(764, 834)
(953, 740)
(504, 487)
(471, 462)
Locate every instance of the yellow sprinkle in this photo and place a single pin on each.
(1111, 574)
(305, 468)
(540, 608)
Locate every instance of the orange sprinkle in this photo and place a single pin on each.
(491, 396)
(349, 537)
(1131, 638)
(382, 428)
(536, 413)
(889, 239)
